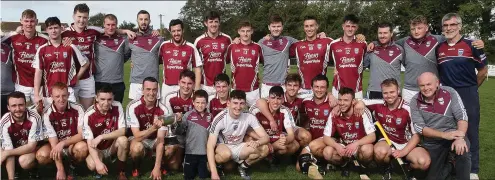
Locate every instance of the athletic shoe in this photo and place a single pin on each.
(345, 170)
(135, 173)
(243, 173)
(122, 176)
(97, 176)
(387, 173)
(473, 176)
(33, 174)
(220, 171)
(72, 173)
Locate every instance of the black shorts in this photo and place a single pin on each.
(195, 165)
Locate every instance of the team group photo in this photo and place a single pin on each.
(249, 90)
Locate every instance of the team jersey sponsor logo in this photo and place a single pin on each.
(428, 43)
(150, 41)
(398, 121)
(338, 50)
(65, 54)
(280, 41)
(222, 45)
(326, 112)
(318, 46)
(356, 124)
(356, 50)
(441, 101)
(116, 41)
(184, 53)
(460, 52)
(253, 52)
(390, 53)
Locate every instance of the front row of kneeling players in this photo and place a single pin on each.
(334, 136)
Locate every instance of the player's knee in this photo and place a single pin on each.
(263, 151)
(137, 150)
(122, 143)
(328, 153)
(423, 163)
(90, 163)
(366, 150)
(223, 157)
(27, 161)
(380, 153)
(305, 137)
(43, 157)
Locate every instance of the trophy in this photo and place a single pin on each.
(169, 120)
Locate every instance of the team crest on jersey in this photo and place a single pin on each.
(235, 127)
(356, 124)
(325, 112)
(36, 46)
(356, 50)
(347, 50)
(398, 121)
(149, 41)
(441, 101)
(183, 53)
(428, 43)
(460, 52)
(253, 52)
(310, 46)
(390, 53)
(65, 54)
(280, 41)
(222, 46)
(318, 46)
(208, 118)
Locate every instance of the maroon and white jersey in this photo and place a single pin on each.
(317, 115)
(85, 42)
(176, 59)
(58, 64)
(15, 135)
(244, 63)
(212, 52)
(62, 125)
(23, 53)
(312, 58)
(139, 116)
(293, 106)
(397, 123)
(216, 106)
(232, 131)
(96, 123)
(176, 104)
(350, 129)
(283, 118)
(348, 61)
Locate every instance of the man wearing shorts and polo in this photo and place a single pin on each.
(230, 127)
(148, 134)
(104, 129)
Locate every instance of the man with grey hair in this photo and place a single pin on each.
(439, 115)
(457, 61)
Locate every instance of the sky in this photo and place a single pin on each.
(124, 10)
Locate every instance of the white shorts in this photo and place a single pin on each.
(210, 90)
(136, 91)
(305, 93)
(28, 91)
(398, 146)
(167, 90)
(357, 95)
(235, 150)
(407, 95)
(252, 97)
(85, 88)
(265, 90)
(147, 143)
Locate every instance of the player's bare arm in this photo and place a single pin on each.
(210, 153)
(156, 172)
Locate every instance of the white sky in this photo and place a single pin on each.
(124, 10)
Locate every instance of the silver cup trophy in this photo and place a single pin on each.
(169, 120)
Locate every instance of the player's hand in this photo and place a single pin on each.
(37, 99)
(61, 175)
(371, 47)
(155, 33)
(453, 135)
(478, 44)
(399, 153)
(332, 101)
(273, 126)
(214, 176)
(178, 116)
(283, 139)
(253, 144)
(57, 150)
(132, 65)
(94, 143)
(157, 123)
(19, 30)
(335, 72)
(101, 168)
(236, 40)
(66, 41)
(321, 35)
(359, 108)
(340, 150)
(130, 34)
(336, 111)
(360, 38)
(459, 146)
(4, 155)
(156, 174)
(267, 37)
(351, 149)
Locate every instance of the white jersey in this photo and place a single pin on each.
(14, 135)
(230, 130)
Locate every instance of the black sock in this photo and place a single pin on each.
(244, 164)
(120, 165)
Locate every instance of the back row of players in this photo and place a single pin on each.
(75, 65)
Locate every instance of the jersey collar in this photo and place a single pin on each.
(12, 121)
(71, 28)
(182, 44)
(144, 102)
(54, 109)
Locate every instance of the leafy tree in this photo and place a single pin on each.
(97, 20)
(127, 25)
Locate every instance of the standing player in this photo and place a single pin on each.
(24, 47)
(111, 52)
(230, 127)
(55, 62)
(145, 61)
(148, 133)
(393, 114)
(282, 141)
(356, 133)
(384, 62)
(245, 59)
(178, 55)
(63, 122)
(312, 55)
(275, 55)
(222, 87)
(104, 129)
(6, 70)
(212, 47)
(348, 55)
(457, 62)
(21, 130)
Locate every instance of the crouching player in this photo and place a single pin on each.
(104, 128)
(282, 140)
(21, 131)
(356, 134)
(394, 116)
(63, 121)
(194, 124)
(231, 125)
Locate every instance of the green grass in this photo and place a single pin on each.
(287, 169)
